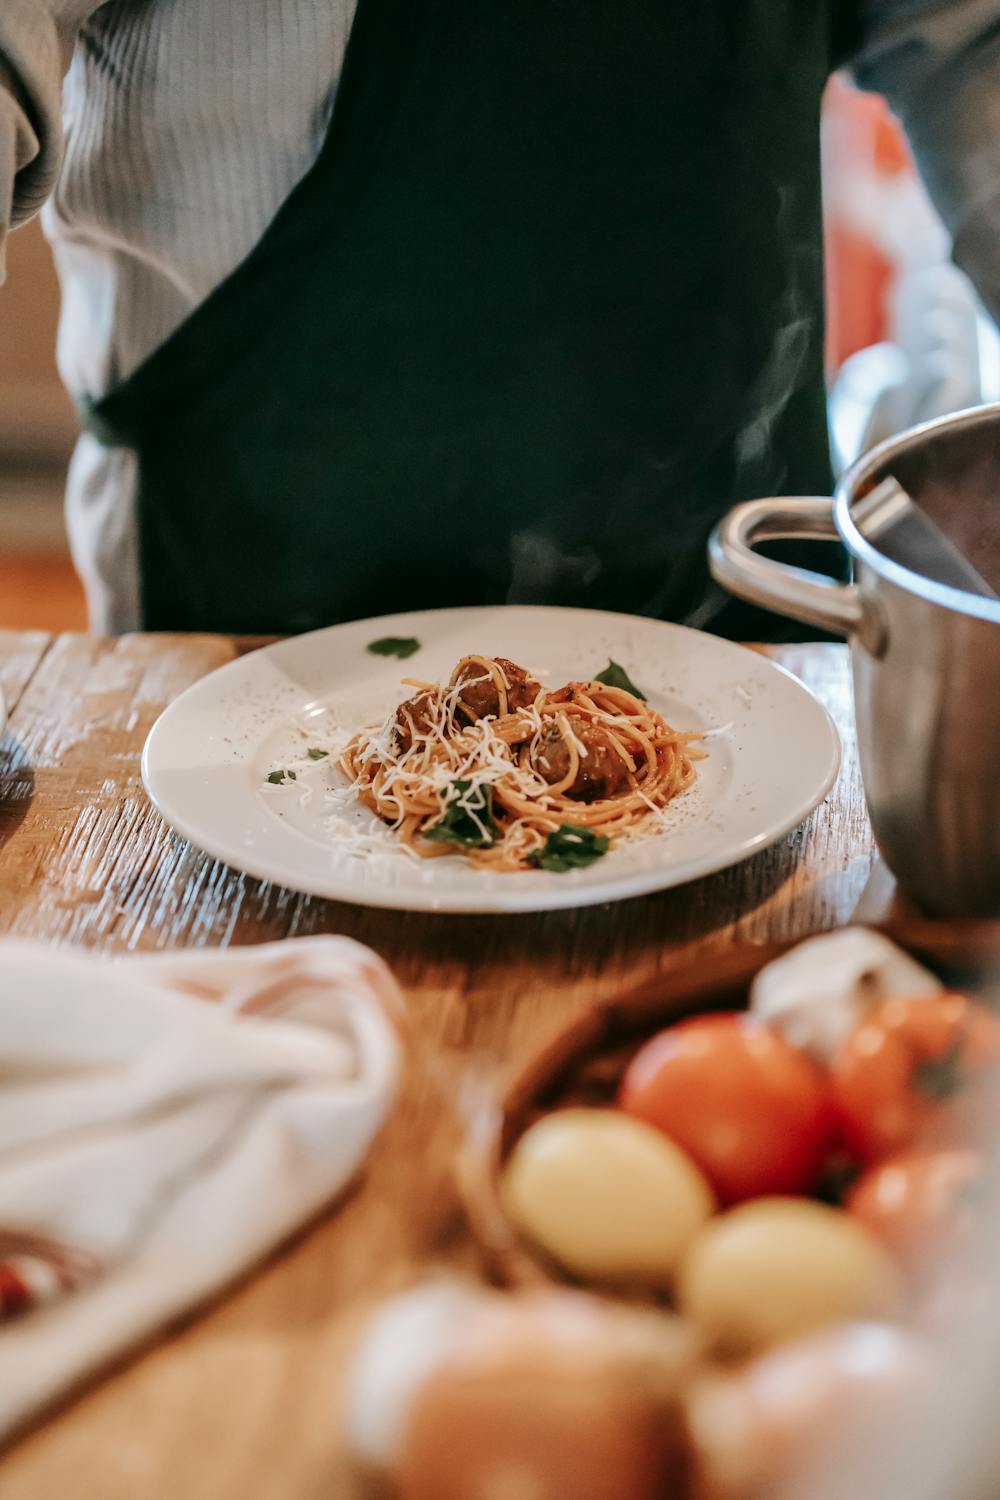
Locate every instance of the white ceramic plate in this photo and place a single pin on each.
(774, 754)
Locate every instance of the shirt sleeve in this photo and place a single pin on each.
(937, 62)
(36, 42)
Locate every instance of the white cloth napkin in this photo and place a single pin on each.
(164, 1122)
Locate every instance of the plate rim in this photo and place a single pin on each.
(495, 903)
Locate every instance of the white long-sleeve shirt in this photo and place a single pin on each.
(163, 135)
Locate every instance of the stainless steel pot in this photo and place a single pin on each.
(925, 654)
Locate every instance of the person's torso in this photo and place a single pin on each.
(188, 124)
(558, 266)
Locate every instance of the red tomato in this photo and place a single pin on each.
(916, 1070)
(752, 1111)
(921, 1204)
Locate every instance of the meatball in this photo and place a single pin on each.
(602, 771)
(570, 693)
(481, 700)
(417, 715)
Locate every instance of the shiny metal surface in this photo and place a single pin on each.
(926, 656)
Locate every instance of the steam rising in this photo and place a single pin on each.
(539, 566)
(665, 494)
(781, 374)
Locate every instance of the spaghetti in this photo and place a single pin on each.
(515, 776)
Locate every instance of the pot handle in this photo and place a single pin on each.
(797, 592)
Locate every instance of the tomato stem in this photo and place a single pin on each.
(942, 1077)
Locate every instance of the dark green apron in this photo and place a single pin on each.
(549, 301)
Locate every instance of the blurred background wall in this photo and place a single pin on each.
(907, 339)
(38, 586)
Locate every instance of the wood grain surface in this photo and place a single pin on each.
(241, 1403)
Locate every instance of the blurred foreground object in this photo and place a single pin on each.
(804, 1348)
(464, 1394)
(165, 1123)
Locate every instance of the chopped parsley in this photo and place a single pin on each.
(615, 675)
(570, 848)
(468, 818)
(315, 754)
(278, 778)
(394, 645)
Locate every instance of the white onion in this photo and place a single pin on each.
(405, 1340)
(817, 994)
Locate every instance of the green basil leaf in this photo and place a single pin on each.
(615, 675)
(570, 848)
(315, 754)
(278, 778)
(394, 645)
(468, 818)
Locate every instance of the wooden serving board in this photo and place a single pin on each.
(584, 1063)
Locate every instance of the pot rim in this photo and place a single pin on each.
(864, 469)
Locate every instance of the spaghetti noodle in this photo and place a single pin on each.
(515, 776)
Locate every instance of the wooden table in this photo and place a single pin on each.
(240, 1405)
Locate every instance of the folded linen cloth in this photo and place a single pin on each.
(164, 1122)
